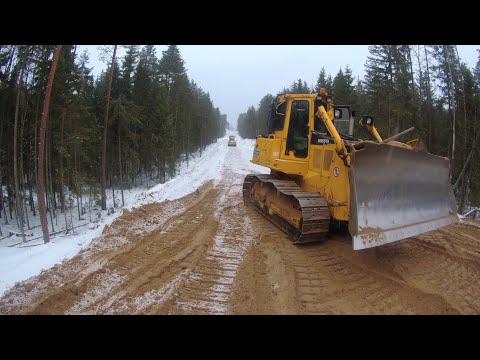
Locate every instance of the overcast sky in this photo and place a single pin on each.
(238, 76)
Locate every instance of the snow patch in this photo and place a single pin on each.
(20, 261)
(161, 295)
(105, 283)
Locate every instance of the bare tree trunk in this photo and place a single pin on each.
(113, 193)
(75, 165)
(35, 150)
(105, 127)
(420, 92)
(22, 176)
(65, 217)
(9, 194)
(120, 164)
(188, 148)
(62, 194)
(200, 141)
(81, 204)
(50, 178)
(465, 165)
(2, 205)
(112, 176)
(420, 72)
(430, 131)
(18, 201)
(5, 217)
(30, 193)
(460, 177)
(71, 215)
(90, 204)
(47, 180)
(463, 188)
(411, 70)
(10, 62)
(41, 147)
(451, 102)
(78, 208)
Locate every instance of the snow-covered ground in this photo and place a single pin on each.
(20, 261)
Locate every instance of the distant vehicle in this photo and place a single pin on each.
(231, 141)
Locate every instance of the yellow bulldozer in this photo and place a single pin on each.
(322, 177)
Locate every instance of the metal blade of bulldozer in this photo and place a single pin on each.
(396, 193)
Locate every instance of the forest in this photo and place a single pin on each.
(66, 137)
(425, 86)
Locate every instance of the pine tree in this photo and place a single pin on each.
(262, 115)
(105, 132)
(128, 69)
(387, 87)
(322, 81)
(171, 66)
(299, 87)
(41, 149)
(343, 89)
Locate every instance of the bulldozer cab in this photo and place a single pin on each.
(297, 138)
(276, 118)
(298, 132)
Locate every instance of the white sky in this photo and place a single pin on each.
(238, 76)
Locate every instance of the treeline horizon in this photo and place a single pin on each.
(132, 125)
(425, 86)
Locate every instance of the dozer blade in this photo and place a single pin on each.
(396, 193)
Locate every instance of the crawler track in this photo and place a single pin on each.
(301, 214)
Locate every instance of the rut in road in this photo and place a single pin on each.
(134, 267)
(209, 285)
(169, 258)
(435, 273)
(209, 253)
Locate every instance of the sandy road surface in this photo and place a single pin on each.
(208, 253)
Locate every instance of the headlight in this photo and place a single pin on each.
(367, 120)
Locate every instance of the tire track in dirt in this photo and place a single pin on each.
(445, 262)
(265, 284)
(336, 280)
(208, 287)
(148, 261)
(124, 278)
(330, 278)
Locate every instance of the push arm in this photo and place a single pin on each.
(339, 144)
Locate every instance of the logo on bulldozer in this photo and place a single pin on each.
(336, 171)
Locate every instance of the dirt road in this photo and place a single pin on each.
(208, 253)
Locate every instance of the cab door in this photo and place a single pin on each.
(297, 142)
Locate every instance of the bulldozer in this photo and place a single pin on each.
(323, 178)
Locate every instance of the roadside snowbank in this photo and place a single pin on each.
(20, 261)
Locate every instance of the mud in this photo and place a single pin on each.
(208, 253)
